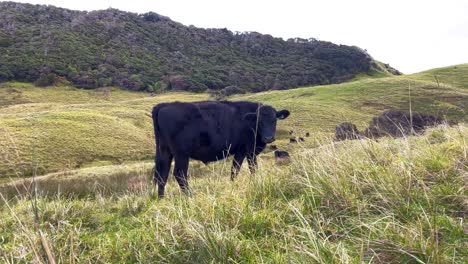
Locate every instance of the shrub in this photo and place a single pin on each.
(345, 131)
(231, 90)
(46, 79)
(397, 124)
(216, 95)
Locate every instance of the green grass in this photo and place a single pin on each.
(453, 76)
(396, 200)
(388, 201)
(66, 128)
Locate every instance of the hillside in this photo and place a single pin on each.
(153, 53)
(60, 128)
(385, 201)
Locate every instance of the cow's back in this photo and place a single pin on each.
(201, 130)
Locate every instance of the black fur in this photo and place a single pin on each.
(210, 131)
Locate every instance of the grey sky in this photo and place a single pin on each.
(411, 35)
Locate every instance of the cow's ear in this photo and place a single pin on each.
(250, 117)
(282, 114)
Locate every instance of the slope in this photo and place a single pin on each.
(392, 201)
(150, 52)
(64, 128)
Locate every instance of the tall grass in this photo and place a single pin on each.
(392, 201)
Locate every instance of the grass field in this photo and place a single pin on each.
(388, 201)
(392, 201)
(66, 128)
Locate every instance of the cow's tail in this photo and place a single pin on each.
(157, 136)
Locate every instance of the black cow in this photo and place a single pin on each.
(281, 154)
(281, 157)
(210, 131)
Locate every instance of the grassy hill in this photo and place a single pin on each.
(392, 201)
(148, 52)
(387, 201)
(60, 128)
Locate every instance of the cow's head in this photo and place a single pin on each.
(264, 121)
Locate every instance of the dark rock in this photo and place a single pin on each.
(397, 124)
(346, 131)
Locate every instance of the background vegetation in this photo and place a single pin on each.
(47, 45)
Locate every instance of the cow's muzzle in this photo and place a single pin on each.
(268, 139)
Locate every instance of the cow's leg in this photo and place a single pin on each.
(180, 173)
(252, 160)
(161, 172)
(236, 165)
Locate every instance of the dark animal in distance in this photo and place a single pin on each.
(307, 134)
(294, 140)
(210, 131)
(273, 147)
(281, 156)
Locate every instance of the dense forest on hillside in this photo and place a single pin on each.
(46, 44)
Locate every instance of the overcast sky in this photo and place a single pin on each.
(410, 35)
